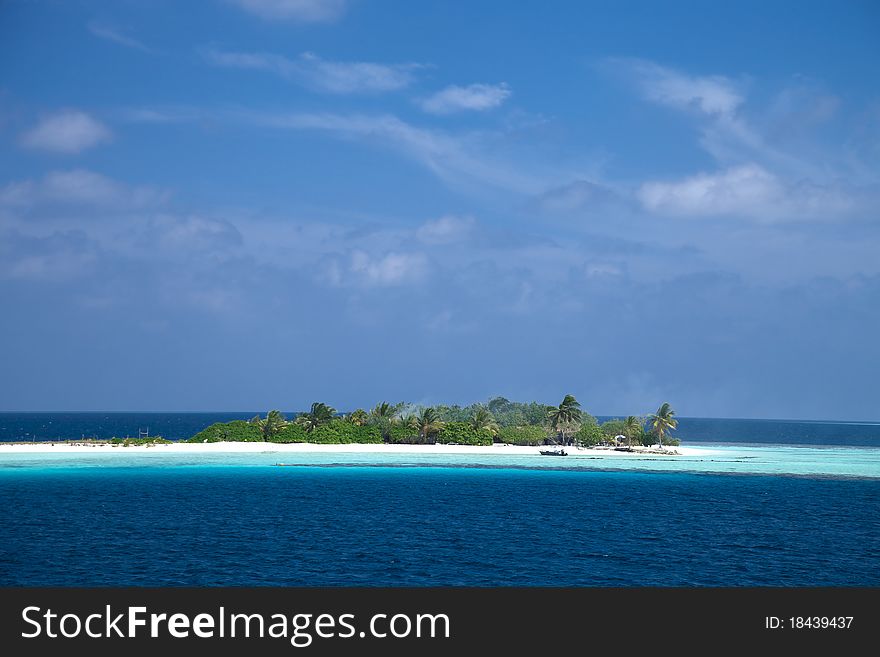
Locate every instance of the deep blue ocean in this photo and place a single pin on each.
(130, 522)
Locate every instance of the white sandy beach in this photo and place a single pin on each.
(298, 448)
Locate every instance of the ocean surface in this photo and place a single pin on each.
(744, 510)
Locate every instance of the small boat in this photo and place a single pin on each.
(553, 452)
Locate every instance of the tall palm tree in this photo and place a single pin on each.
(319, 414)
(565, 416)
(383, 412)
(271, 425)
(663, 421)
(483, 419)
(632, 426)
(382, 416)
(428, 423)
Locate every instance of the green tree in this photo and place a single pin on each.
(634, 427)
(525, 435)
(589, 434)
(566, 416)
(406, 421)
(358, 417)
(271, 425)
(483, 419)
(663, 422)
(383, 413)
(428, 423)
(319, 414)
(463, 433)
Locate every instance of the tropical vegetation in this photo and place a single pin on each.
(498, 420)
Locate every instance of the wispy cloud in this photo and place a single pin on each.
(68, 131)
(390, 269)
(452, 158)
(714, 95)
(747, 191)
(110, 33)
(58, 257)
(305, 11)
(321, 74)
(445, 230)
(474, 97)
(759, 178)
(79, 187)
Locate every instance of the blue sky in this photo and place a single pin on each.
(249, 204)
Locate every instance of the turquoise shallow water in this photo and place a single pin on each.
(837, 462)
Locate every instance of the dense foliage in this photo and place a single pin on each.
(590, 434)
(338, 430)
(529, 434)
(237, 431)
(463, 433)
(499, 420)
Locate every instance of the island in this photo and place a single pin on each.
(497, 425)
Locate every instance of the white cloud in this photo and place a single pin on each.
(475, 97)
(305, 11)
(69, 131)
(392, 269)
(714, 95)
(445, 230)
(321, 74)
(748, 191)
(109, 33)
(79, 187)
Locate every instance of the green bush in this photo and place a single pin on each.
(613, 428)
(125, 442)
(398, 435)
(517, 414)
(339, 431)
(237, 431)
(291, 433)
(527, 435)
(462, 433)
(589, 434)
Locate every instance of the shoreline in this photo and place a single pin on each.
(341, 448)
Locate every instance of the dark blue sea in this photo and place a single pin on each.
(139, 521)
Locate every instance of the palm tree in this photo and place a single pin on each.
(428, 423)
(565, 416)
(405, 420)
(663, 421)
(383, 413)
(319, 414)
(382, 416)
(632, 426)
(271, 425)
(483, 419)
(358, 418)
